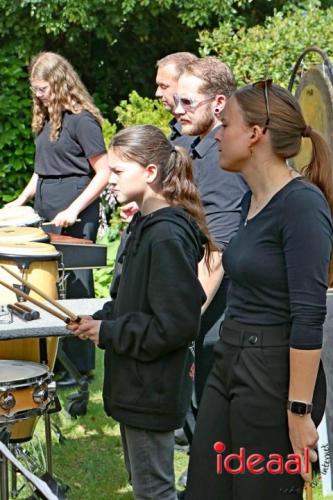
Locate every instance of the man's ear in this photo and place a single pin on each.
(219, 103)
(151, 173)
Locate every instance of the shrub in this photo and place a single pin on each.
(273, 48)
(16, 140)
(142, 110)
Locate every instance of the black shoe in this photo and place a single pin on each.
(181, 495)
(90, 375)
(66, 381)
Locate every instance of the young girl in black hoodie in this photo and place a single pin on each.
(155, 315)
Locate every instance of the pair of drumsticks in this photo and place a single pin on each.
(68, 315)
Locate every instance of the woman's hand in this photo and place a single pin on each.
(65, 218)
(88, 328)
(15, 203)
(303, 434)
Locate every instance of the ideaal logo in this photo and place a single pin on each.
(255, 463)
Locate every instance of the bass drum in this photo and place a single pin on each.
(38, 264)
(315, 96)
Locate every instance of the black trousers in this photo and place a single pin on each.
(244, 406)
(52, 196)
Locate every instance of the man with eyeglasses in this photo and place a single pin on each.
(202, 91)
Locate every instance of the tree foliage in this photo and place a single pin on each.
(273, 48)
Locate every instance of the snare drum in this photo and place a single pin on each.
(19, 216)
(26, 390)
(38, 264)
(13, 234)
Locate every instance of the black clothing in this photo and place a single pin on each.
(221, 192)
(54, 195)
(64, 172)
(80, 138)
(176, 136)
(147, 329)
(278, 263)
(244, 406)
(278, 268)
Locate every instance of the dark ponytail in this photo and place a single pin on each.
(319, 170)
(147, 144)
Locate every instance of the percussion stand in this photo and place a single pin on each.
(4, 489)
(78, 401)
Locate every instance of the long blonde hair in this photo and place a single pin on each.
(68, 93)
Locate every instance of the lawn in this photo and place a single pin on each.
(90, 460)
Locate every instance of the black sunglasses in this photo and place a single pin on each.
(265, 84)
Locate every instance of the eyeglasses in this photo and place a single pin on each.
(189, 104)
(39, 90)
(265, 84)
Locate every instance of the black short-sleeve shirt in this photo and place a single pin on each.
(80, 138)
(221, 192)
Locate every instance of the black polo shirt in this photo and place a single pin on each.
(80, 138)
(176, 136)
(221, 192)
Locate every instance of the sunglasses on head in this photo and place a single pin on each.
(189, 104)
(265, 84)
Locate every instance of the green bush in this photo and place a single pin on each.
(273, 48)
(142, 110)
(16, 140)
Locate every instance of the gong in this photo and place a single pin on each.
(315, 96)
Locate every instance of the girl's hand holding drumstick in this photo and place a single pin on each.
(88, 328)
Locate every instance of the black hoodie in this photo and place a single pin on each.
(147, 329)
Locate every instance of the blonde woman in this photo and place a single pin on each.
(71, 168)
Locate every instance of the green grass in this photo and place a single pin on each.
(90, 460)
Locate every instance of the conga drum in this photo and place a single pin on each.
(13, 234)
(19, 216)
(38, 264)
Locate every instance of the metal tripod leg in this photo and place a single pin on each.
(4, 494)
(48, 443)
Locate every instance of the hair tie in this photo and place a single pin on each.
(173, 150)
(307, 131)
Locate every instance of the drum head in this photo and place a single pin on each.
(29, 249)
(20, 372)
(14, 234)
(18, 216)
(315, 96)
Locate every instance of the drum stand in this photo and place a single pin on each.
(4, 493)
(77, 402)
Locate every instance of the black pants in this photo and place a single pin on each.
(53, 196)
(244, 405)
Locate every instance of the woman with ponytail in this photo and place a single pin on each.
(266, 393)
(147, 329)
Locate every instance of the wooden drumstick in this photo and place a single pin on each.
(48, 223)
(48, 309)
(40, 292)
(308, 485)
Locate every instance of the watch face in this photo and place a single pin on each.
(299, 408)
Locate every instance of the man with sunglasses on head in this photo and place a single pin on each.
(203, 88)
